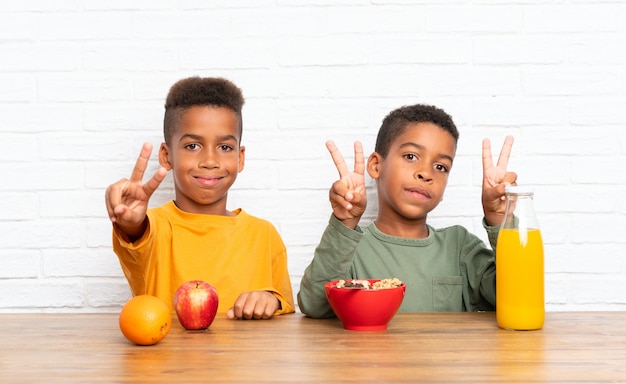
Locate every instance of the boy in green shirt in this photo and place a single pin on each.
(447, 269)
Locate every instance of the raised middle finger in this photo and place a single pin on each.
(505, 152)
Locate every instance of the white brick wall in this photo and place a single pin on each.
(82, 85)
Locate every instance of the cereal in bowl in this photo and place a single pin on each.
(365, 284)
(387, 283)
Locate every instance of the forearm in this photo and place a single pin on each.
(332, 261)
(131, 232)
(281, 282)
(492, 233)
(135, 259)
(478, 267)
(285, 303)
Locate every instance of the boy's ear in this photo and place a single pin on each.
(373, 165)
(242, 158)
(164, 157)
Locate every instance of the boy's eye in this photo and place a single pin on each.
(441, 167)
(410, 156)
(192, 146)
(225, 148)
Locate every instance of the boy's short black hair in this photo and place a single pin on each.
(396, 122)
(200, 91)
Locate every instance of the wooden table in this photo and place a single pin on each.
(425, 347)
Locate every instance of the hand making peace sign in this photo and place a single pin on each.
(348, 195)
(127, 199)
(495, 179)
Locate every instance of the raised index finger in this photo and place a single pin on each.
(340, 163)
(487, 155)
(505, 152)
(142, 163)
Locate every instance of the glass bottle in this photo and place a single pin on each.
(520, 264)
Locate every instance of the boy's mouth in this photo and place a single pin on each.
(418, 192)
(208, 181)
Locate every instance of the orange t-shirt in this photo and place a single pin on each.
(235, 254)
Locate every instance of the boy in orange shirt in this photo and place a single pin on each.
(195, 237)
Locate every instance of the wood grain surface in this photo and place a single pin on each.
(417, 347)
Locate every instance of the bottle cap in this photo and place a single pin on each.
(519, 190)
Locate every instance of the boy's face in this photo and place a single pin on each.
(412, 178)
(205, 157)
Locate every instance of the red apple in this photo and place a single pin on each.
(195, 303)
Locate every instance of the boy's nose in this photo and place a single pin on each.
(424, 176)
(208, 160)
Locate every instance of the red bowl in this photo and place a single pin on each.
(364, 309)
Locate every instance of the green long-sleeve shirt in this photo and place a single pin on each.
(450, 270)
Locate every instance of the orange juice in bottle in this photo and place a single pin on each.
(520, 265)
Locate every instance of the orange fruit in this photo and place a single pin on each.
(145, 320)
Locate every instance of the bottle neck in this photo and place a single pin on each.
(520, 212)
